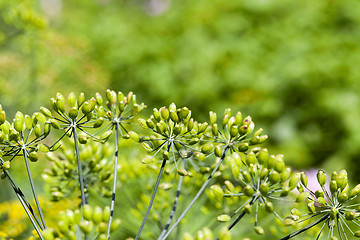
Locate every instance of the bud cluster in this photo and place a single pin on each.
(62, 176)
(259, 179)
(334, 207)
(93, 224)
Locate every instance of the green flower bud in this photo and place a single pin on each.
(250, 128)
(203, 127)
(98, 122)
(321, 200)
(224, 234)
(6, 165)
(48, 234)
(264, 188)
(199, 156)
(218, 151)
(14, 135)
(250, 158)
(86, 226)
(46, 112)
(285, 175)
(311, 207)
(243, 147)
(333, 213)
(207, 148)
(229, 186)
(269, 207)
(225, 120)
(350, 215)
(105, 136)
(19, 125)
(71, 99)
(33, 156)
(60, 102)
(182, 172)
(263, 156)
(234, 131)
(243, 129)
(294, 180)
(97, 215)
(88, 212)
(238, 118)
(164, 112)
(28, 122)
(304, 179)
(274, 177)
(73, 113)
(85, 108)
(246, 176)
(190, 124)
(301, 197)
(43, 148)
(115, 225)
(355, 191)
(173, 116)
(343, 197)
(321, 177)
(333, 186)
(248, 190)
(235, 170)
(99, 99)
(120, 97)
(223, 218)
(134, 136)
(264, 173)
(285, 191)
(184, 113)
(247, 208)
(212, 117)
(218, 192)
(156, 114)
(259, 230)
(279, 163)
(271, 162)
(81, 99)
(37, 130)
(54, 123)
(238, 158)
(47, 128)
(2, 117)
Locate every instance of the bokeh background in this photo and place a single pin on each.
(292, 65)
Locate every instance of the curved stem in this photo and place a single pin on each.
(197, 195)
(114, 180)
(152, 197)
(25, 153)
(167, 225)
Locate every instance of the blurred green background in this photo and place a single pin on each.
(291, 65)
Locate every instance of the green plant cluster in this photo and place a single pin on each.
(84, 139)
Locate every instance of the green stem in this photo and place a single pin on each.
(28, 209)
(25, 153)
(306, 227)
(152, 197)
(167, 225)
(197, 195)
(81, 177)
(114, 180)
